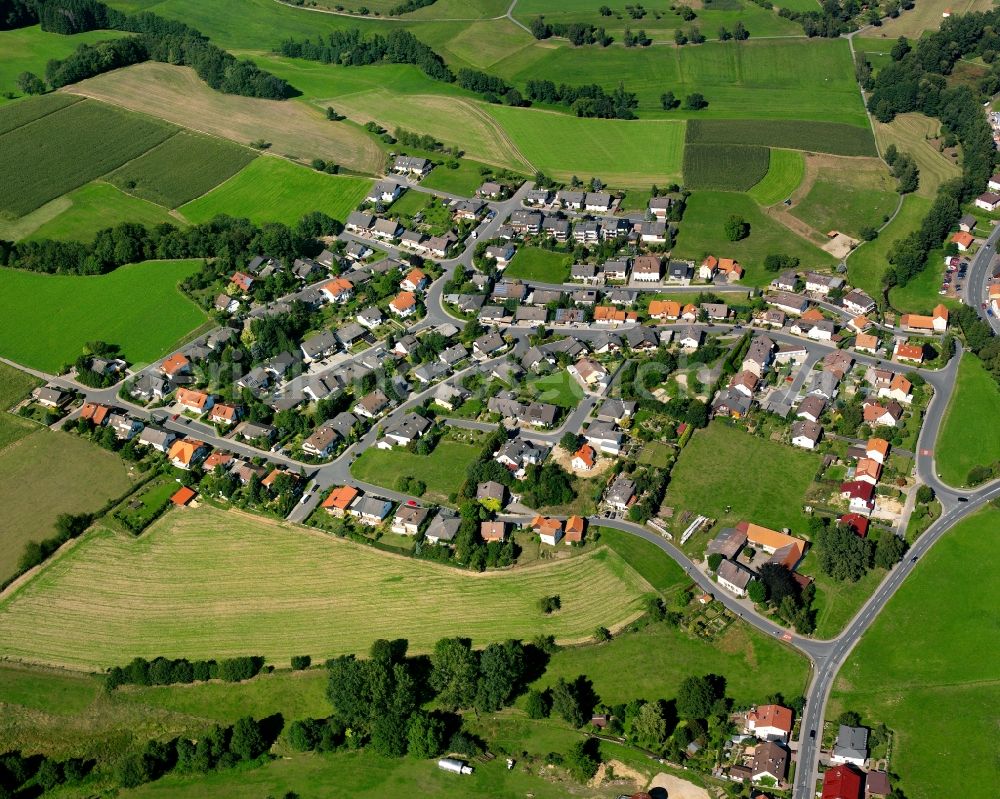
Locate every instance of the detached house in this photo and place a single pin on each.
(647, 269)
(408, 519)
(337, 290)
(187, 453)
(770, 722)
(549, 530)
(194, 401)
(404, 304)
(340, 500)
(806, 434)
(321, 443)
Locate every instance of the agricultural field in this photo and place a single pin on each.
(77, 216)
(70, 147)
(621, 152)
(711, 475)
(915, 134)
(279, 591)
(846, 195)
(732, 167)
(559, 388)
(702, 232)
(443, 471)
(785, 170)
(15, 385)
(927, 667)
(138, 307)
(867, 263)
(968, 437)
(30, 49)
(28, 110)
(185, 166)
(926, 16)
(543, 266)
(275, 190)
(34, 493)
(818, 136)
(293, 129)
(660, 657)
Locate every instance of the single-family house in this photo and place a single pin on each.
(621, 493)
(186, 453)
(732, 403)
(851, 746)
(792, 304)
(175, 366)
(811, 408)
(899, 389)
(489, 190)
(865, 342)
(415, 280)
(338, 290)
(224, 414)
(404, 304)
(769, 761)
(406, 430)
(570, 199)
(371, 511)
(806, 434)
(322, 441)
(574, 530)
(842, 782)
(616, 410)
(770, 722)
(549, 530)
(443, 528)
(126, 428)
(408, 519)
(823, 384)
(158, 439)
(194, 401)
(680, 272)
(588, 372)
(689, 338)
(937, 322)
(411, 165)
(860, 496)
(655, 232)
(598, 201)
(384, 191)
(488, 345)
(659, 207)
(734, 577)
(491, 494)
(822, 284)
(359, 222)
(647, 269)
(340, 500)
(584, 458)
(988, 201)
(604, 437)
(493, 531)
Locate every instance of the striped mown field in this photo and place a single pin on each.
(208, 583)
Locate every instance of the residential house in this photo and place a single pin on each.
(860, 496)
(224, 414)
(823, 384)
(620, 494)
(859, 324)
(806, 434)
(51, 396)
(770, 722)
(488, 345)
(769, 761)
(857, 302)
(689, 338)
(438, 246)
(616, 271)
(158, 439)
(469, 210)
(659, 207)
(148, 387)
(491, 494)
(784, 549)
(574, 530)
(518, 453)
(588, 372)
(822, 284)
(792, 304)
(744, 382)
(584, 458)
(359, 222)
(443, 528)
(899, 389)
(372, 405)
(570, 199)
(851, 746)
(187, 452)
(908, 352)
(680, 272)
(583, 273)
(716, 311)
(549, 530)
(664, 310)
(322, 441)
(175, 366)
(320, 346)
(759, 355)
(415, 280)
(386, 229)
(654, 232)
(732, 403)
(538, 197)
(502, 254)
(811, 408)
(126, 428)
(877, 449)
(708, 268)
(855, 522)
(408, 519)
(868, 470)
(772, 318)
(453, 355)
(968, 221)
(338, 290)
(865, 342)
(640, 339)
(411, 165)
(877, 784)
(493, 531)
(587, 231)
(371, 511)
(887, 415)
(490, 190)
(604, 437)
(616, 410)
(842, 782)
(647, 269)
(251, 431)
(529, 222)
(556, 228)
(340, 500)
(689, 313)
(734, 577)
(937, 322)
(791, 353)
(194, 401)
(839, 362)
(728, 543)
(531, 316)
(406, 430)
(242, 281)
(962, 240)
(404, 304)
(541, 414)
(730, 269)
(597, 201)
(357, 251)
(786, 281)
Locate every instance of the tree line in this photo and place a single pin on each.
(28, 775)
(157, 39)
(228, 240)
(164, 671)
(350, 47)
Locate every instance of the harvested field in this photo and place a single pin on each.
(68, 148)
(185, 166)
(732, 167)
(207, 583)
(823, 137)
(176, 94)
(914, 134)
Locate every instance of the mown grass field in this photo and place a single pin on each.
(836, 602)
(659, 570)
(68, 148)
(660, 657)
(15, 385)
(29, 50)
(927, 17)
(138, 307)
(920, 295)
(443, 471)
(968, 437)
(711, 474)
(729, 167)
(544, 266)
(464, 180)
(912, 133)
(274, 190)
(623, 153)
(558, 388)
(77, 216)
(206, 583)
(785, 169)
(182, 168)
(815, 136)
(927, 667)
(868, 263)
(703, 233)
(177, 95)
(45, 474)
(848, 195)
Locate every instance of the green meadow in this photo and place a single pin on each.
(868, 263)
(969, 435)
(49, 318)
(784, 173)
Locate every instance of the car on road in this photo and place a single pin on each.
(913, 559)
(963, 499)
(812, 734)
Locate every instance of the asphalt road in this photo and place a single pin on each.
(980, 272)
(826, 656)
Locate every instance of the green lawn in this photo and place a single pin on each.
(836, 602)
(920, 295)
(763, 481)
(138, 307)
(443, 471)
(81, 213)
(702, 232)
(543, 266)
(656, 660)
(29, 50)
(622, 153)
(927, 667)
(784, 174)
(275, 190)
(969, 435)
(559, 388)
(655, 453)
(848, 197)
(206, 583)
(659, 569)
(33, 491)
(462, 181)
(183, 168)
(867, 264)
(14, 386)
